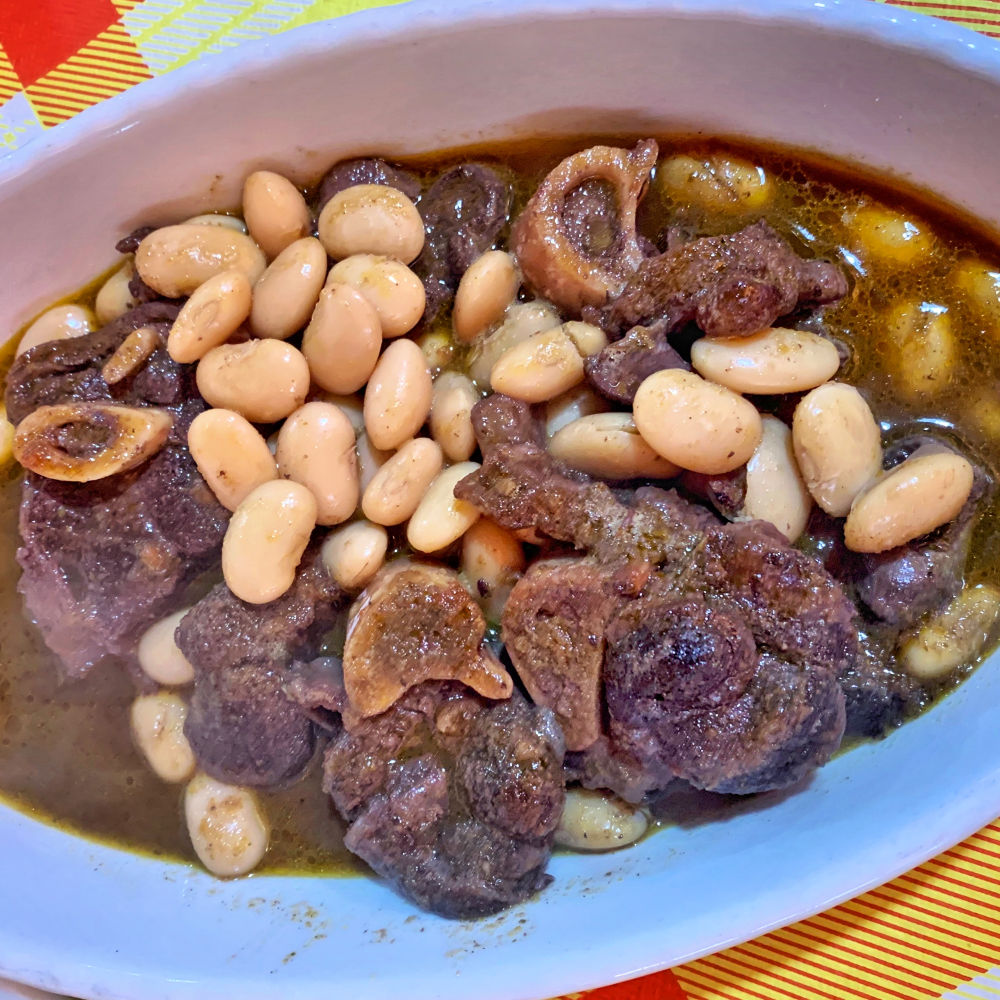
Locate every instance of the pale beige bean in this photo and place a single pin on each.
(441, 518)
(397, 488)
(597, 820)
(343, 339)
(231, 454)
(398, 396)
(175, 260)
(955, 636)
(492, 562)
(587, 338)
(114, 298)
(539, 369)
(924, 350)
(838, 445)
(264, 380)
(775, 491)
(215, 311)
(370, 460)
(887, 236)
(352, 406)
(286, 293)
(217, 219)
(226, 825)
(485, 291)
(980, 285)
(316, 449)
(919, 495)
(58, 323)
(580, 401)
(452, 401)
(6, 438)
(159, 656)
(275, 211)
(354, 553)
(266, 537)
(393, 290)
(717, 182)
(131, 354)
(521, 321)
(773, 361)
(438, 348)
(371, 218)
(609, 445)
(696, 424)
(158, 730)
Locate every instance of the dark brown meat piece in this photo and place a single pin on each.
(452, 798)
(464, 212)
(730, 286)
(618, 371)
(366, 170)
(242, 726)
(726, 492)
(130, 243)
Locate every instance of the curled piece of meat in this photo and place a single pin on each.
(730, 286)
(242, 726)
(576, 239)
(416, 623)
(617, 371)
(452, 798)
(365, 170)
(464, 212)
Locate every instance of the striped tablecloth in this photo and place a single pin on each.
(933, 933)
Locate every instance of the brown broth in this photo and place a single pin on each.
(66, 756)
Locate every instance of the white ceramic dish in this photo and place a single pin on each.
(865, 82)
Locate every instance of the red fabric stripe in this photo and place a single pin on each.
(698, 969)
(968, 889)
(934, 911)
(920, 4)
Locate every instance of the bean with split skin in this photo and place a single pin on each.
(157, 722)
(452, 401)
(160, 657)
(485, 291)
(316, 449)
(441, 518)
(397, 488)
(275, 211)
(286, 293)
(263, 380)
(394, 291)
(371, 218)
(609, 445)
(213, 313)
(175, 260)
(597, 820)
(695, 424)
(917, 496)
(265, 539)
(114, 298)
(538, 369)
(398, 396)
(58, 323)
(343, 339)
(226, 825)
(521, 321)
(354, 553)
(231, 454)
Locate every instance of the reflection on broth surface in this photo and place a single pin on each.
(917, 334)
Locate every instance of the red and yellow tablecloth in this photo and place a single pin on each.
(933, 933)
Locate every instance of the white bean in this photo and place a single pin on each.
(485, 291)
(316, 449)
(6, 438)
(452, 401)
(775, 491)
(354, 553)
(917, 496)
(587, 338)
(980, 283)
(492, 561)
(438, 348)
(175, 260)
(580, 401)
(608, 445)
(696, 424)
(540, 368)
(393, 290)
(953, 637)
(521, 321)
(114, 298)
(598, 821)
(773, 361)
(286, 293)
(158, 730)
(275, 211)
(264, 380)
(716, 182)
(58, 323)
(215, 311)
(226, 826)
(924, 349)
(343, 339)
(352, 406)
(370, 460)
(217, 219)
(398, 396)
(887, 236)
(397, 488)
(266, 537)
(838, 445)
(371, 218)
(159, 656)
(441, 518)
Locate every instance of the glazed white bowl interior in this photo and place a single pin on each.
(864, 82)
